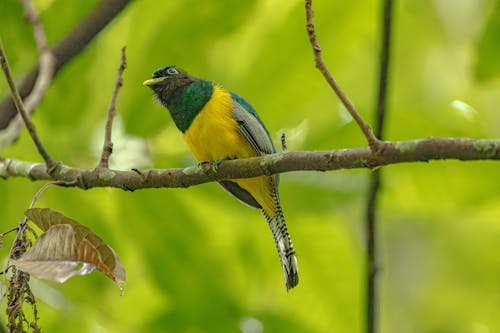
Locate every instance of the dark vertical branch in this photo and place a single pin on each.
(384, 68)
(371, 248)
(375, 179)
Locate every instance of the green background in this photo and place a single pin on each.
(199, 261)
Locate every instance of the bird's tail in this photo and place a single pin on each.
(285, 248)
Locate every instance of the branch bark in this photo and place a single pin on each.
(421, 150)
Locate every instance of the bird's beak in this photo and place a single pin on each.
(152, 82)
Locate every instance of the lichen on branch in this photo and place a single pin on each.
(421, 150)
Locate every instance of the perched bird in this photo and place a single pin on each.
(217, 125)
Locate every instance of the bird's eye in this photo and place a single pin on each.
(172, 71)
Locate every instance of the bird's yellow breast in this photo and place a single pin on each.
(213, 133)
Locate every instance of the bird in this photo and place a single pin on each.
(218, 125)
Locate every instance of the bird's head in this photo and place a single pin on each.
(166, 81)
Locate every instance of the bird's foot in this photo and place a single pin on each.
(216, 163)
(213, 165)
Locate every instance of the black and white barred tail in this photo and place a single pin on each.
(285, 248)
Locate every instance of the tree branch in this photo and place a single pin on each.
(421, 150)
(373, 142)
(32, 16)
(72, 44)
(107, 148)
(46, 66)
(20, 108)
(376, 176)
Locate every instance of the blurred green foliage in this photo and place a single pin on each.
(199, 261)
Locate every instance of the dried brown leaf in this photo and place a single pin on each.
(66, 249)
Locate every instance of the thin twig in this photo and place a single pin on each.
(373, 142)
(32, 16)
(7, 232)
(283, 142)
(20, 108)
(13, 254)
(375, 181)
(43, 188)
(68, 47)
(46, 65)
(46, 62)
(107, 148)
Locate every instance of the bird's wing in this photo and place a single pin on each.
(239, 193)
(251, 127)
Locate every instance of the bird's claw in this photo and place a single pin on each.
(211, 166)
(216, 163)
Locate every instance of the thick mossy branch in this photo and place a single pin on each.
(392, 152)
